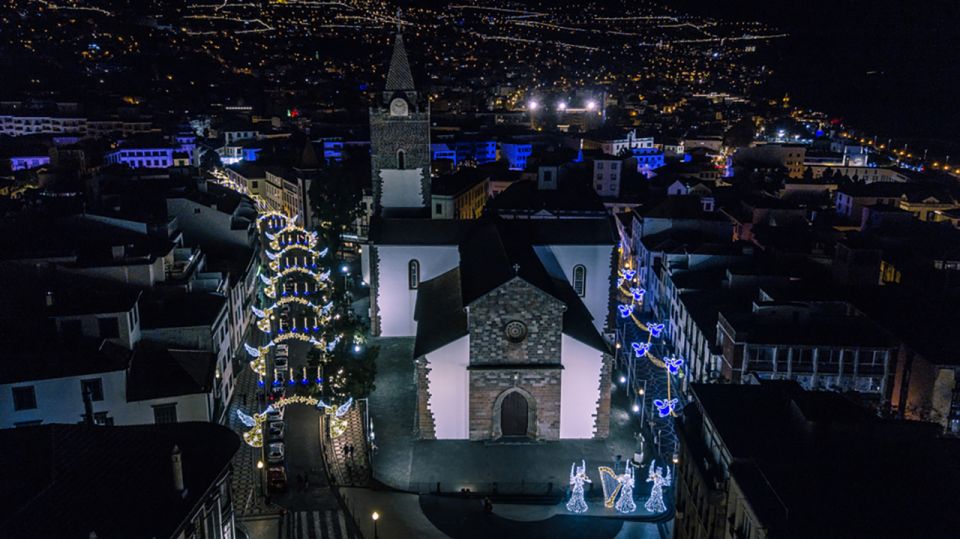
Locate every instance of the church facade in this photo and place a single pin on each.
(507, 314)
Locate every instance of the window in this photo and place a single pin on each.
(109, 327)
(438, 209)
(102, 419)
(580, 280)
(413, 274)
(400, 159)
(24, 398)
(70, 328)
(165, 413)
(254, 184)
(95, 386)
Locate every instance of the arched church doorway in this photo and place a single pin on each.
(514, 415)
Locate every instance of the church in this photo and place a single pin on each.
(508, 311)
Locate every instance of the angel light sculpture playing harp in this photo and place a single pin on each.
(618, 485)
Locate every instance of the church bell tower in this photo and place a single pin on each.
(400, 142)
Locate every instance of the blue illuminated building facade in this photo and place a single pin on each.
(332, 150)
(516, 154)
(648, 159)
(481, 151)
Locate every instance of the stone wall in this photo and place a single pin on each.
(426, 429)
(530, 364)
(516, 300)
(602, 428)
(489, 385)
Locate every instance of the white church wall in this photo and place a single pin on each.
(560, 261)
(450, 389)
(396, 301)
(579, 388)
(365, 264)
(401, 188)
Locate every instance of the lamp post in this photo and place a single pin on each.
(375, 516)
(642, 391)
(260, 476)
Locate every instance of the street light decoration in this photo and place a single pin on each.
(337, 416)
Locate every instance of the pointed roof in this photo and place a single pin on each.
(399, 76)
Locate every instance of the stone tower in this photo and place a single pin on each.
(400, 142)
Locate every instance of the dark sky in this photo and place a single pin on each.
(891, 65)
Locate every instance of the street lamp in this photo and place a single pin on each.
(561, 106)
(532, 105)
(375, 516)
(260, 475)
(591, 105)
(642, 391)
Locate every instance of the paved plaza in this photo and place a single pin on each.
(535, 468)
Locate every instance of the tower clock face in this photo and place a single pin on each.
(398, 107)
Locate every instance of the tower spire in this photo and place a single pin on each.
(399, 22)
(399, 77)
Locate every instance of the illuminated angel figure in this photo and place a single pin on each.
(627, 481)
(336, 416)
(578, 476)
(655, 501)
(665, 407)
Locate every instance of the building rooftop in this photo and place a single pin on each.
(91, 242)
(181, 310)
(570, 196)
(592, 231)
(809, 462)
(157, 372)
(111, 481)
(459, 182)
(48, 357)
(801, 324)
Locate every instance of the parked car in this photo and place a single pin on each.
(275, 415)
(275, 431)
(276, 479)
(275, 452)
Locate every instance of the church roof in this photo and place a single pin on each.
(399, 77)
(493, 253)
(589, 231)
(441, 318)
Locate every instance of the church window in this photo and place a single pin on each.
(413, 273)
(580, 280)
(400, 159)
(516, 331)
